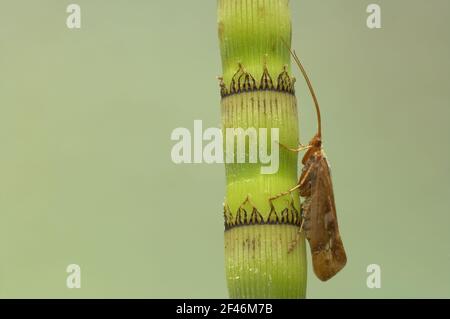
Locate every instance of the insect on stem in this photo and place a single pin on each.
(319, 219)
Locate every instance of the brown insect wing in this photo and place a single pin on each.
(327, 249)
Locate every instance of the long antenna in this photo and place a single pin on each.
(302, 69)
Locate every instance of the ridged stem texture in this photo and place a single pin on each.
(257, 261)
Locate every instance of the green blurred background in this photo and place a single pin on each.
(85, 123)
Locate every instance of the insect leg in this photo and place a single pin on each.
(295, 241)
(298, 149)
(271, 199)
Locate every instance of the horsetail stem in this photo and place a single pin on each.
(258, 92)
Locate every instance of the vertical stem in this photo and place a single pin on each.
(257, 92)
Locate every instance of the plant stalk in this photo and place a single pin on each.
(258, 92)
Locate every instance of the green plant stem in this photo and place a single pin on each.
(258, 264)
